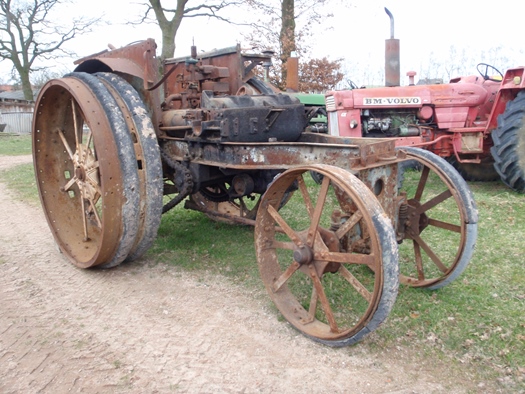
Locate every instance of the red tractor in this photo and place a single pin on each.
(476, 122)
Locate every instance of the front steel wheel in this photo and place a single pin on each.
(328, 258)
(86, 171)
(437, 224)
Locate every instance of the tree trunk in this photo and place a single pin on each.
(287, 36)
(26, 83)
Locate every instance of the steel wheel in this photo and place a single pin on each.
(86, 171)
(328, 258)
(438, 224)
(148, 160)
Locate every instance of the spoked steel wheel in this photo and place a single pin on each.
(86, 171)
(438, 223)
(328, 258)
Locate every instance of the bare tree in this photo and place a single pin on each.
(170, 19)
(27, 33)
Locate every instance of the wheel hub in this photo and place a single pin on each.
(303, 254)
(415, 223)
(80, 174)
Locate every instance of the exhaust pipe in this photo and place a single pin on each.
(392, 65)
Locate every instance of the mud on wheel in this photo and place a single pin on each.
(328, 258)
(86, 170)
(438, 224)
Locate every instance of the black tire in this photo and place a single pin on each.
(350, 225)
(509, 144)
(86, 171)
(148, 161)
(472, 172)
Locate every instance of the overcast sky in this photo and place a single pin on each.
(356, 33)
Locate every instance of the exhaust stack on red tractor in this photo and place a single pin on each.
(392, 65)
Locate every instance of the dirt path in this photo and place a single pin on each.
(146, 328)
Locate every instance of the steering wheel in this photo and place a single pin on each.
(352, 84)
(493, 70)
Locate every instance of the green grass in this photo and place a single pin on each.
(22, 179)
(478, 320)
(15, 144)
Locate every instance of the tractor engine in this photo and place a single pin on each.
(385, 123)
(217, 97)
(257, 118)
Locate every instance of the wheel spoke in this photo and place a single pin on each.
(313, 306)
(419, 261)
(284, 226)
(422, 183)
(78, 135)
(68, 185)
(306, 196)
(431, 254)
(93, 209)
(84, 219)
(66, 144)
(356, 284)
(433, 202)
(349, 224)
(285, 276)
(316, 217)
(444, 225)
(346, 258)
(325, 304)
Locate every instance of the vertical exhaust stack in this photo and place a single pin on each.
(292, 73)
(392, 65)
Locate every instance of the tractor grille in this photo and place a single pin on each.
(330, 103)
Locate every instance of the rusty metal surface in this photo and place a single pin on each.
(137, 63)
(224, 70)
(341, 234)
(54, 168)
(349, 154)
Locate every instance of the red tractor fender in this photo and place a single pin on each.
(513, 82)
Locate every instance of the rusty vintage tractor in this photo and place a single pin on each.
(116, 143)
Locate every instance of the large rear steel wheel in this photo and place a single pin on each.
(86, 171)
(438, 224)
(328, 258)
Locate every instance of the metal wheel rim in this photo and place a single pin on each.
(454, 197)
(379, 297)
(76, 176)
